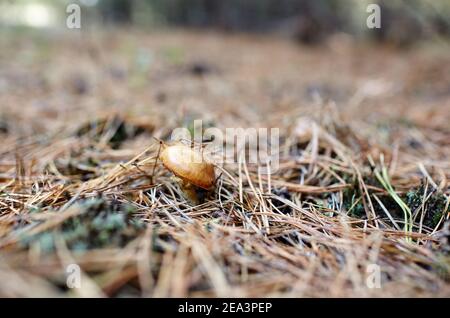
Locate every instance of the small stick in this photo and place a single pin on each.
(157, 157)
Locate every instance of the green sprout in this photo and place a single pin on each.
(383, 178)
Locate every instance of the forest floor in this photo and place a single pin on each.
(358, 207)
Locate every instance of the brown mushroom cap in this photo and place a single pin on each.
(189, 165)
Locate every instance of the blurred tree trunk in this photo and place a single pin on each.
(308, 21)
(116, 11)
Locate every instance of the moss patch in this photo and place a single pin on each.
(101, 224)
(434, 206)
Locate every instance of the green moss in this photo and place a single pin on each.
(389, 203)
(434, 207)
(101, 224)
(352, 198)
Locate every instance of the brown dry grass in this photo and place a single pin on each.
(340, 109)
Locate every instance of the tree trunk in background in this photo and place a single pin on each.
(116, 11)
(308, 21)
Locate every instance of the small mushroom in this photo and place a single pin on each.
(195, 175)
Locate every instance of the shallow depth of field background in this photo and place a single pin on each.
(79, 110)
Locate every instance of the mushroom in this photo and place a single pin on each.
(194, 174)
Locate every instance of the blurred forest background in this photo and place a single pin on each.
(364, 148)
(403, 22)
